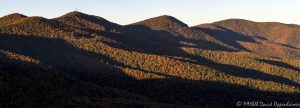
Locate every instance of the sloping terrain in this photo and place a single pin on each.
(87, 61)
(273, 31)
(10, 19)
(267, 38)
(81, 20)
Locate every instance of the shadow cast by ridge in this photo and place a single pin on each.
(109, 82)
(228, 36)
(279, 64)
(174, 49)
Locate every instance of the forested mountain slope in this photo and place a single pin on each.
(87, 61)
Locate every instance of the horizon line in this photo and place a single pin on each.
(233, 18)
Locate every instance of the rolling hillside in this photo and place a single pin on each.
(10, 19)
(81, 60)
(267, 38)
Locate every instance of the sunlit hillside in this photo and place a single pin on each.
(80, 60)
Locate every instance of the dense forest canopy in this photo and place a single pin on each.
(80, 60)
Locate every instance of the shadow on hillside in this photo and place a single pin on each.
(162, 42)
(259, 37)
(228, 36)
(280, 64)
(242, 72)
(171, 91)
(289, 46)
(149, 41)
(54, 52)
(24, 84)
(58, 54)
(92, 79)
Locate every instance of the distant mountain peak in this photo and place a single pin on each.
(164, 21)
(167, 17)
(234, 21)
(11, 18)
(77, 14)
(33, 19)
(18, 15)
(74, 14)
(249, 22)
(82, 20)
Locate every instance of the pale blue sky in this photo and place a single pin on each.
(192, 12)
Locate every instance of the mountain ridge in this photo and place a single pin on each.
(78, 19)
(8, 19)
(81, 60)
(166, 16)
(163, 21)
